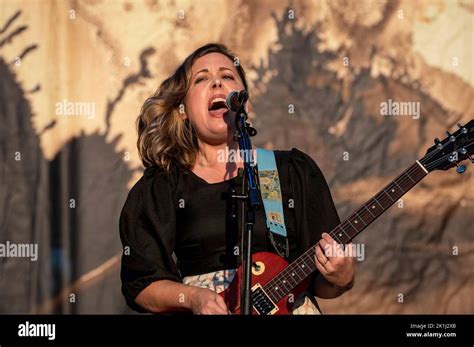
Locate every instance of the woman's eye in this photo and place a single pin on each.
(228, 77)
(199, 79)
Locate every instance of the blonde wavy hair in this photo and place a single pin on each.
(163, 135)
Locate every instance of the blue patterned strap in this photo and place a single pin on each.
(270, 190)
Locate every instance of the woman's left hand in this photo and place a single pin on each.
(333, 263)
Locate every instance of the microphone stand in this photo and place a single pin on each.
(250, 202)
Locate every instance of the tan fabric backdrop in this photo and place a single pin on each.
(332, 62)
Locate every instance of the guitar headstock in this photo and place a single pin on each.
(452, 150)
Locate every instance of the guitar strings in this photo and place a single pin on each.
(405, 177)
(333, 232)
(346, 222)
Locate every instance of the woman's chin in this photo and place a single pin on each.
(219, 134)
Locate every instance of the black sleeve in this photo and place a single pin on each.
(147, 232)
(317, 213)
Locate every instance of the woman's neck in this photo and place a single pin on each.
(218, 162)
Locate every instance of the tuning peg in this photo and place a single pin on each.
(438, 143)
(463, 129)
(464, 151)
(451, 137)
(460, 168)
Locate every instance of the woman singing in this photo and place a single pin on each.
(177, 227)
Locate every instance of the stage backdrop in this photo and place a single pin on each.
(75, 73)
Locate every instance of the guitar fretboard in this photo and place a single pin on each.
(296, 272)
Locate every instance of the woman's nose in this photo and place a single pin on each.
(216, 83)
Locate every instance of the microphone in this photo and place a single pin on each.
(235, 99)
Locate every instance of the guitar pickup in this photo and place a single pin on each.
(262, 302)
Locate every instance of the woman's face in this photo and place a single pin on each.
(213, 77)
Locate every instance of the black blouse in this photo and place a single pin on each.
(175, 224)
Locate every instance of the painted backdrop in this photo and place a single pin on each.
(75, 73)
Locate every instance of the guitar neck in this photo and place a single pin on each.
(296, 272)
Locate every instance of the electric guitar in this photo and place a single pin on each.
(273, 279)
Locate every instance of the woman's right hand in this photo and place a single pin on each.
(206, 301)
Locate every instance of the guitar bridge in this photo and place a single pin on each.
(262, 302)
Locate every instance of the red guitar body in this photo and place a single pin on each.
(265, 267)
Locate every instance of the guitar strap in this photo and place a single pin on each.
(270, 190)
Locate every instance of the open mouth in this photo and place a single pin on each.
(217, 105)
